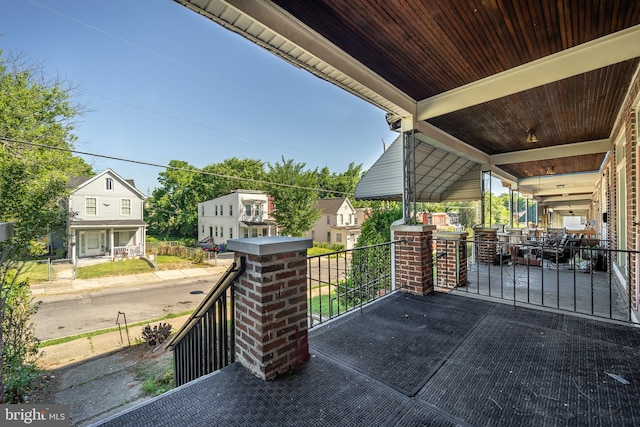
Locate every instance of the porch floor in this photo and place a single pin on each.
(441, 359)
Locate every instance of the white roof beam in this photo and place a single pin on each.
(567, 150)
(599, 53)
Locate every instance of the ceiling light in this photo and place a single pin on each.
(531, 136)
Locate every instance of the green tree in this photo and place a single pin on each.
(294, 196)
(339, 184)
(248, 174)
(36, 125)
(377, 227)
(173, 207)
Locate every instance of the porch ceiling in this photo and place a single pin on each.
(474, 76)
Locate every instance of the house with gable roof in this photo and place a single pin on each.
(338, 223)
(105, 217)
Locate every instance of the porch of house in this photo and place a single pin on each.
(440, 359)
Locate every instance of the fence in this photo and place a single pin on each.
(206, 342)
(342, 281)
(572, 277)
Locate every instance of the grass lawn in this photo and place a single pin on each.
(172, 262)
(320, 305)
(113, 268)
(35, 272)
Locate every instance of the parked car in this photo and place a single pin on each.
(210, 247)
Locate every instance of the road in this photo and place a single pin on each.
(72, 314)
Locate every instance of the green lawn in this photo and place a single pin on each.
(113, 268)
(35, 272)
(320, 305)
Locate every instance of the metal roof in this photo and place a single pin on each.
(440, 175)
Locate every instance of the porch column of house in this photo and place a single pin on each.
(451, 253)
(414, 258)
(485, 252)
(271, 304)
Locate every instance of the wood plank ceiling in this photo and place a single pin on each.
(427, 49)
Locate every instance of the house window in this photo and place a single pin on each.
(265, 232)
(341, 219)
(329, 236)
(203, 228)
(230, 210)
(109, 184)
(328, 221)
(202, 210)
(221, 210)
(339, 237)
(216, 231)
(216, 210)
(231, 232)
(91, 206)
(125, 207)
(221, 232)
(246, 233)
(248, 209)
(210, 231)
(254, 232)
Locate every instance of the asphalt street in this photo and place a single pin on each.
(91, 310)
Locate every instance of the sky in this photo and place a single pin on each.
(160, 82)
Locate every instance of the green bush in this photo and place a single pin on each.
(19, 349)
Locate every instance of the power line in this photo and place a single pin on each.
(198, 171)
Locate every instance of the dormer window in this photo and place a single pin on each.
(109, 184)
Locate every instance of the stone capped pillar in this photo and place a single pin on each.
(414, 258)
(486, 252)
(451, 253)
(271, 304)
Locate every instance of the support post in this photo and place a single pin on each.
(271, 304)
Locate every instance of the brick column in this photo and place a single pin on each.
(271, 304)
(451, 253)
(486, 252)
(414, 258)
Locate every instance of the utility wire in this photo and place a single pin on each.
(198, 171)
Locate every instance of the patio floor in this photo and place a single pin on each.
(442, 359)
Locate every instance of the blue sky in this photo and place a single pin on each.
(162, 83)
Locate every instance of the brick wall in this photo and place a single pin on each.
(414, 258)
(486, 252)
(271, 305)
(451, 251)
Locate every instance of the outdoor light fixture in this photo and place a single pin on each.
(531, 136)
(551, 171)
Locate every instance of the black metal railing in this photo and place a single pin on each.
(342, 281)
(206, 342)
(586, 280)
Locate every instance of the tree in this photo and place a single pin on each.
(339, 184)
(295, 199)
(36, 124)
(173, 208)
(377, 227)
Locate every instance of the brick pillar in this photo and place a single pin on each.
(271, 304)
(414, 258)
(486, 252)
(451, 253)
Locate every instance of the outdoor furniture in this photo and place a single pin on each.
(560, 252)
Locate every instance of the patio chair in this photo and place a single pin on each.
(559, 253)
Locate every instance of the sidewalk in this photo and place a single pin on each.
(63, 283)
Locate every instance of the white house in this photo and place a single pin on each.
(338, 223)
(241, 214)
(105, 217)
